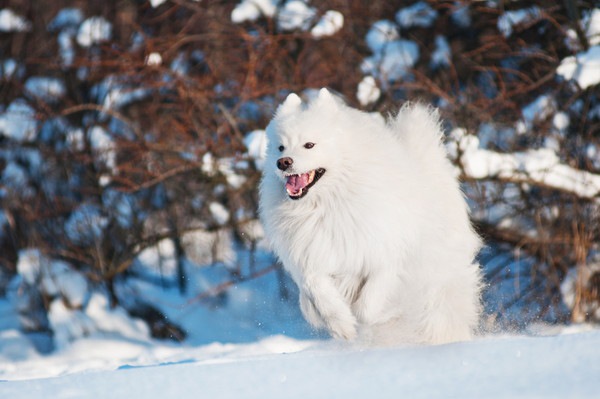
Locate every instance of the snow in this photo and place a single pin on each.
(208, 164)
(12, 22)
(264, 345)
(45, 88)
(590, 26)
(252, 231)
(593, 153)
(368, 92)
(541, 166)
(538, 110)
(66, 47)
(461, 15)
(112, 93)
(56, 277)
(256, 143)
(225, 166)
(419, 14)
(156, 3)
(289, 15)
(295, 14)
(76, 139)
(18, 122)
(259, 347)
(494, 367)
(251, 10)
(329, 24)
(59, 278)
(85, 224)
(14, 347)
(29, 265)
(590, 23)
(66, 18)
(575, 276)
(114, 321)
(103, 146)
(561, 121)
(15, 177)
(67, 325)
(392, 57)
(381, 33)
(219, 213)
(207, 247)
(97, 320)
(394, 60)
(121, 206)
(441, 56)
(510, 19)
(9, 68)
(583, 67)
(94, 30)
(154, 59)
(157, 260)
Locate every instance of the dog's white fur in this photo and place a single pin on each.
(381, 247)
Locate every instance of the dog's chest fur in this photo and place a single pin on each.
(320, 235)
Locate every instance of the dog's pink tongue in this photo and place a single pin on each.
(295, 183)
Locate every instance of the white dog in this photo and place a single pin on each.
(369, 220)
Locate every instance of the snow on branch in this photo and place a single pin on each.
(540, 167)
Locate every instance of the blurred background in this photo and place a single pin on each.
(132, 137)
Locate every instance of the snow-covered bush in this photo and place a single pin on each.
(131, 135)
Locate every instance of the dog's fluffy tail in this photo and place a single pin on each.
(419, 127)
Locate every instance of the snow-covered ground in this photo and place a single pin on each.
(560, 366)
(256, 345)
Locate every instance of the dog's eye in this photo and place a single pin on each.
(281, 148)
(309, 145)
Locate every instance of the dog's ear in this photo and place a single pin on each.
(325, 95)
(326, 99)
(291, 104)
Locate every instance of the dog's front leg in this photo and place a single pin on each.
(311, 314)
(331, 306)
(373, 305)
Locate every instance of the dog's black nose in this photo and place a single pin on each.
(284, 163)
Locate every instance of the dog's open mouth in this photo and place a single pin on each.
(297, 185)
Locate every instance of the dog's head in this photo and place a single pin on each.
(301, 146)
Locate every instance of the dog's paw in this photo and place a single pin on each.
(343, 327)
